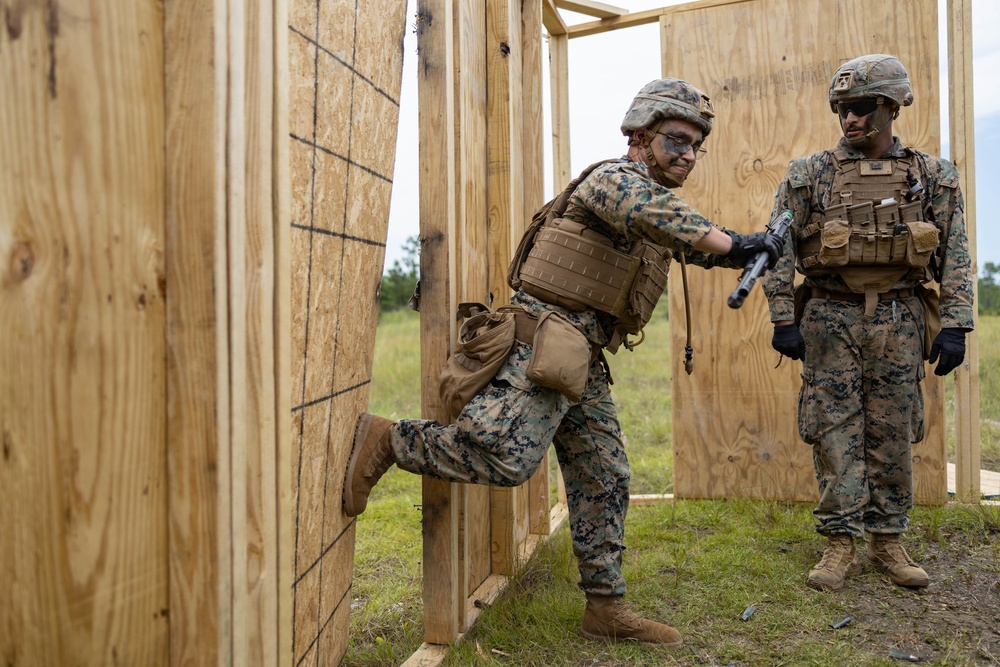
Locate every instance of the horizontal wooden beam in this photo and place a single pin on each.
(591, 8)
(614, 23)
(640, 18)
(554, 25)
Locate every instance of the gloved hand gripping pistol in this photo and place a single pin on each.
(755, 267)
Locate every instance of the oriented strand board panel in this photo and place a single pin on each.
(767, 65)
(345, 69)
(83, 474)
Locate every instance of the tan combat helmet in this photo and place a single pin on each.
(873, 75)
(669, 98)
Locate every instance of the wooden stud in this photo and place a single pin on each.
(442, 502)
(962, 142)
(591, 8)
(559, 101)
(551, 19)
(503, 98)
(468, 248)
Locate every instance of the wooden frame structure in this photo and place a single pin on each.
(145, 399)
(456, 129)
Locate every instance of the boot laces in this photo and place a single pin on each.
(834, 555)
(896, 552)
(625, 615)
(380, 463)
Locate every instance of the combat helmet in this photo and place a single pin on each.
(669, 98)
(873, 75)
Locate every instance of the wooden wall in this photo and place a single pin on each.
(345, 72)
(771, 63)
(143, 363)
(83, 473)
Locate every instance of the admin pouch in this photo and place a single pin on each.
(560, 357)
(484, 341)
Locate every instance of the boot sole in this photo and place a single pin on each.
(615, 640)
(360, 435)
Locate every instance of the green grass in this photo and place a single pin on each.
(695, 564)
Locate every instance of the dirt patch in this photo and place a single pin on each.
(955, 620)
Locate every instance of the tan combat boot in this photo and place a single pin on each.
(887, 555)
(608, 617)
(839, 561)
(371, 458)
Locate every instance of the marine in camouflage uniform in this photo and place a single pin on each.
(860, 403)
(501, 435)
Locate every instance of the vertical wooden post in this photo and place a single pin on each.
(503, 71)
(559, 93)
(467, 246)
(962, 140)
(443, 601)
(197, 363)
(534, 194)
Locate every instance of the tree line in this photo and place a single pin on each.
(400, 281)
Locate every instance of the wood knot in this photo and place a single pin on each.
(504, 49)
(22, 261)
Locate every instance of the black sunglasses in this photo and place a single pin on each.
(859, 108)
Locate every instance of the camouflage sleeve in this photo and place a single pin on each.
(793, 194)
(956, 286)
(626, 198)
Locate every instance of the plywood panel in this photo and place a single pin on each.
(83, 477)
(345, 68)
(769, 72)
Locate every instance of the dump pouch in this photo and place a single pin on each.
(560, 357)
(484, 341)
(932, 317)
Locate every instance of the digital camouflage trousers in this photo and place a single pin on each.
(861, 408)
(500, 438)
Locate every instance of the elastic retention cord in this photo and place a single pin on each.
(688, 350)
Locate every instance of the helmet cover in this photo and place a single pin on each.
(873, 75)
(669, 98)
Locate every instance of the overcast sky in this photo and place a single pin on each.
(594, 119)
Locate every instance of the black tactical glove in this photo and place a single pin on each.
(789, 341)
(746, 246)
(950, 345)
